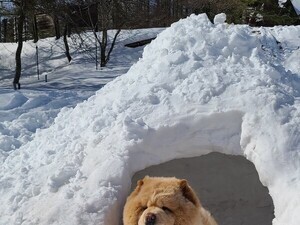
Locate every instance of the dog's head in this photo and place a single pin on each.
(161, 201)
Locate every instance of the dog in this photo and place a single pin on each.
(165, 201)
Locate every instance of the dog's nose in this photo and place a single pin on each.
(150, 219)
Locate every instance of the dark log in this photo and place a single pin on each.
(139, 43)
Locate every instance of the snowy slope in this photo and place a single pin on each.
(37, 104)
(198, 88)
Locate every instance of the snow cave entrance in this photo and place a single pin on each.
(228, 186)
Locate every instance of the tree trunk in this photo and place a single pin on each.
(4, 30)
(112, 46)
(69, 30)
(66, 43)
(0, 28)
(35, 30)
(104, 58)
(25, 29)
(56, 27)
(103, 48)
(15, 30)
(16, 82)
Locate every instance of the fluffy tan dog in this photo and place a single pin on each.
(164, 201)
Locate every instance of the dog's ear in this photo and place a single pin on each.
(140, 183)
(188, 192)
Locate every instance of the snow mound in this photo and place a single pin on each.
(12, 101)
(198, 88)
(23, 112)
(220, 18)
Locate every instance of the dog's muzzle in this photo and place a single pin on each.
(150, 219)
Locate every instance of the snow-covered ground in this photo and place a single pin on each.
(37, 104)
(198, 88)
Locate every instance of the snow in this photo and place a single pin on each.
(281, 2)
(38, 103)
(220, 18)
(198, 88)
(295, 3)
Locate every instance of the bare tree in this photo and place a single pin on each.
(67, 44)
(59, 11)
(100, 16)
(20, 10)
(105, 20)
(54, 8)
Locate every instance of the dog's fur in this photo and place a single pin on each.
(164, 201)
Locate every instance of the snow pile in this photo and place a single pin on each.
(220, 18)
(22, 113)
(198, 88)
(289, 36)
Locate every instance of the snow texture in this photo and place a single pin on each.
(220, 18)
(38, 102)
(199, 88)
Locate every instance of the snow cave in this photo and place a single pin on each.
(227, 185)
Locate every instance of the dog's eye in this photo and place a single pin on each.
(166, 209)
(143, 208)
